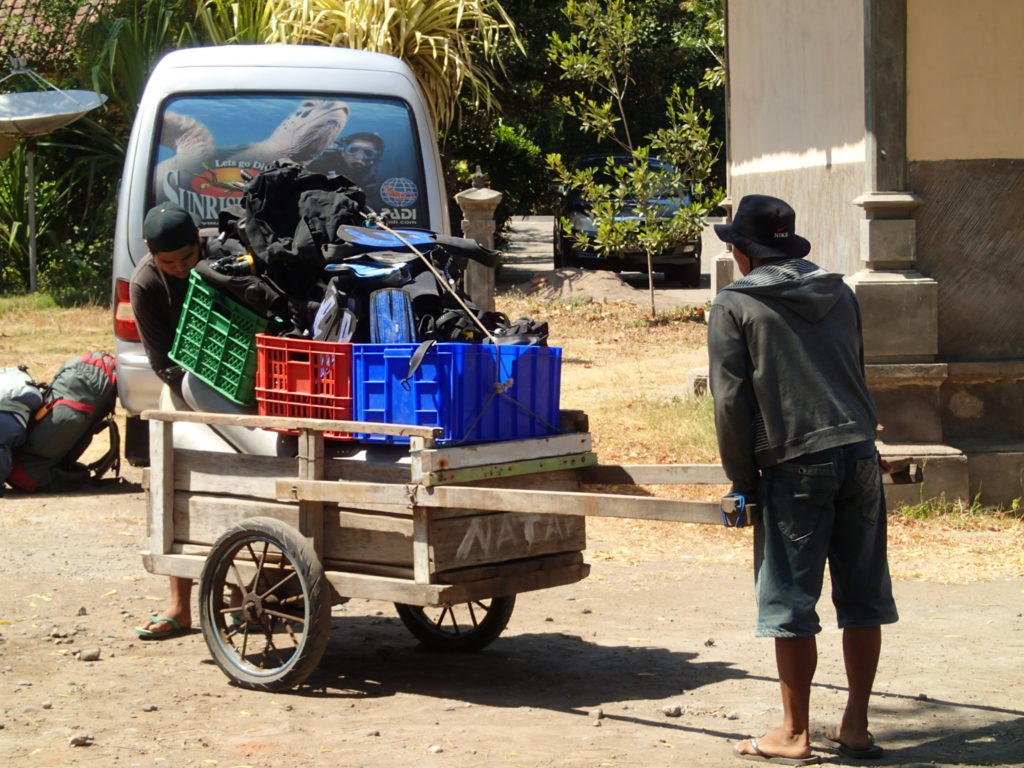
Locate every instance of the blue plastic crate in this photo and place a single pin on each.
(476, 392)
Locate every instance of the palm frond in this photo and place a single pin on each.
(450, 45)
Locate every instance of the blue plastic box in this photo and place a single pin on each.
(476, 392)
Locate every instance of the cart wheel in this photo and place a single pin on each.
(265, 605)
(458, 627)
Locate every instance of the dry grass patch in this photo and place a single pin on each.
(42, 336)
(630, 375)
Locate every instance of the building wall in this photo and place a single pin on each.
(965, 147)
(796, 116)
(965, 65)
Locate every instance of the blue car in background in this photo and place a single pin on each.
(680, 263)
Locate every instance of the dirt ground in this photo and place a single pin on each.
(650, 661)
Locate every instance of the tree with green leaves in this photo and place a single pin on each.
(705, 30)
(450, 45)
(667, 201)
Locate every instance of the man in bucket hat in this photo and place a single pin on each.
(796, 428)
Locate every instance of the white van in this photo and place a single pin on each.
(212, 117)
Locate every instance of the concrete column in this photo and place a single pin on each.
(899, 305)
(478, 205)
(723, 266)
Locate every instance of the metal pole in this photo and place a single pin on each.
(31, 169)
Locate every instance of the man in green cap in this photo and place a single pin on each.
(158, 288)
(159, 284)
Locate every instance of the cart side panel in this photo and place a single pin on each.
(488, 537)
(228, 473)
(383, 536)
(351, 535)
(200, 519)
(242, 475)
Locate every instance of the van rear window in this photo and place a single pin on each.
(209, 145)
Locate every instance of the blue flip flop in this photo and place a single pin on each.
(176, 629)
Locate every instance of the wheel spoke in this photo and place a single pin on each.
(279, 584)
(237, 574)
(284, 616)
(259, 564)
(448, 612)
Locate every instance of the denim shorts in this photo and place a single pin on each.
(824, 506)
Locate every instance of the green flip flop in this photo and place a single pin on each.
(176, 629)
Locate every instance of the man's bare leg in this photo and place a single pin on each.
(179, 608)
(861, 649)
(796, 659)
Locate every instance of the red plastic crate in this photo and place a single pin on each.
(302, 379)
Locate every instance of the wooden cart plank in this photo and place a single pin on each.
(280, 422)
(411, 593)
(160, 496)
(229, 473)
(330, 564)
(513, 469)
(200, 519)
(504, 452)
(181, 565)
(341, 492)
(561, 503)
(397, 590)
(501, 537)
(513, 585)
(654, 474)
(392, 590)
(513, 568)
(350, 534)
(513, 500)
(311, 467)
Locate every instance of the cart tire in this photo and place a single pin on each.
(267, 625)
(458, 628)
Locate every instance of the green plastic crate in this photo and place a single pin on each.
(216, 341)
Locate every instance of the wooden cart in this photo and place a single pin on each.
(449, 534)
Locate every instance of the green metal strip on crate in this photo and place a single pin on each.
(492, 471)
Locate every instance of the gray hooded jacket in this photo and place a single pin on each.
(787, 367)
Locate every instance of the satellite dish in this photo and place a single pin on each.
(39, 112)
(34, 113)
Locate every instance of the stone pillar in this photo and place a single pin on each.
(723, 267)
(478, 205)
(899, 305)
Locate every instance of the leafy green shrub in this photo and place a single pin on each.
(77, 271)
(512, 163)
(50, 197)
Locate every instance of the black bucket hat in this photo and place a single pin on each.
(764, 227)
(168, 227)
